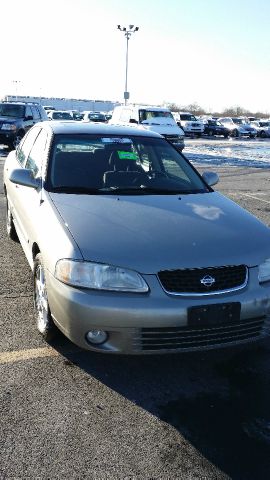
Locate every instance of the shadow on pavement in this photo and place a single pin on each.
(218, 401)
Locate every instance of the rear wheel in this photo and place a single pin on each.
(235, 133)
(263, 134)
(44, 321)
(11, 230)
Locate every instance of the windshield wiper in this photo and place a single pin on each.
(143, 190)
(76, 190)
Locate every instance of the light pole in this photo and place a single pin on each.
(127, 32)
(16, 82)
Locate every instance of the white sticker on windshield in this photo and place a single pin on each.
(116, 140)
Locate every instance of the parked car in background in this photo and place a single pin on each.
(262, 127)
(94, 117)
(252, 132)
(237, 128)
(189, 123)
(16, 118)
(214, 127)
(60, 115)
(49, 107)
(76, 115)
(108, 116)
(155, 119)
(132, 251)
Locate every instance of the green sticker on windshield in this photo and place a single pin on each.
(127, 155)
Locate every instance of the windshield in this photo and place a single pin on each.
(152, 114)
(11, 110)
(97, 117)
(61, 116)
(239, 121)
(127, 165)
(188, 116)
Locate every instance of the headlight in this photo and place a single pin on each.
(264, 271)
(98, 276)
(8, 126)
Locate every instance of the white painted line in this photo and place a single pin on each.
(20, 355)
(240, 194)
(255, 198)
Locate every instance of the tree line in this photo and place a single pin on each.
(235, 111)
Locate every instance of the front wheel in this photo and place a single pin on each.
(11, 230)
(17, 140)
(235, 133)
(44, 321)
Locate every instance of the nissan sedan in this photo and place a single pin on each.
(131, 249)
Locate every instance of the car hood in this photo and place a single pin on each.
(163, 126)
(149, 233)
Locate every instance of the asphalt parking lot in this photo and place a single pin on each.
(66, 413)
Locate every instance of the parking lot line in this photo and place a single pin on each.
(254, 197)
(241, 194)
(20, 355)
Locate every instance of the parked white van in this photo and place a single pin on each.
(156, 119)
(189, 123)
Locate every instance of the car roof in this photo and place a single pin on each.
(144, 107)
(73, 127)
(21, 103)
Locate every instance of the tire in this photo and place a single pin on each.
(44, 321)
(235, 133)
(263, 134)
(17, 139)
(11, 230)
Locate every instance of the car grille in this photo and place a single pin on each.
(198, 280)
(201, 337)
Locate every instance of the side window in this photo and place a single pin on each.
(36, 155)
(142, 115)
(35, 113)
(28, 112)
(25, 147)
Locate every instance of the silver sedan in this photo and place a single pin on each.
(132, 251)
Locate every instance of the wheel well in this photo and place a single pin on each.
(21, 131)
(35, 250)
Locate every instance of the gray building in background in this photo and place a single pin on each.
(66, 103)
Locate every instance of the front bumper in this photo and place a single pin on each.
(155, 322)
(6, 137)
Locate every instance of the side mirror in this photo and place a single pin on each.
(29, 117)
(23, 176)
(132, 120)
(211, 178)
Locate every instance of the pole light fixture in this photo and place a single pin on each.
(128, 31)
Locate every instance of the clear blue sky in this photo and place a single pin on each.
(212, 52)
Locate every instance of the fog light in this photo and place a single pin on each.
(96, 336)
